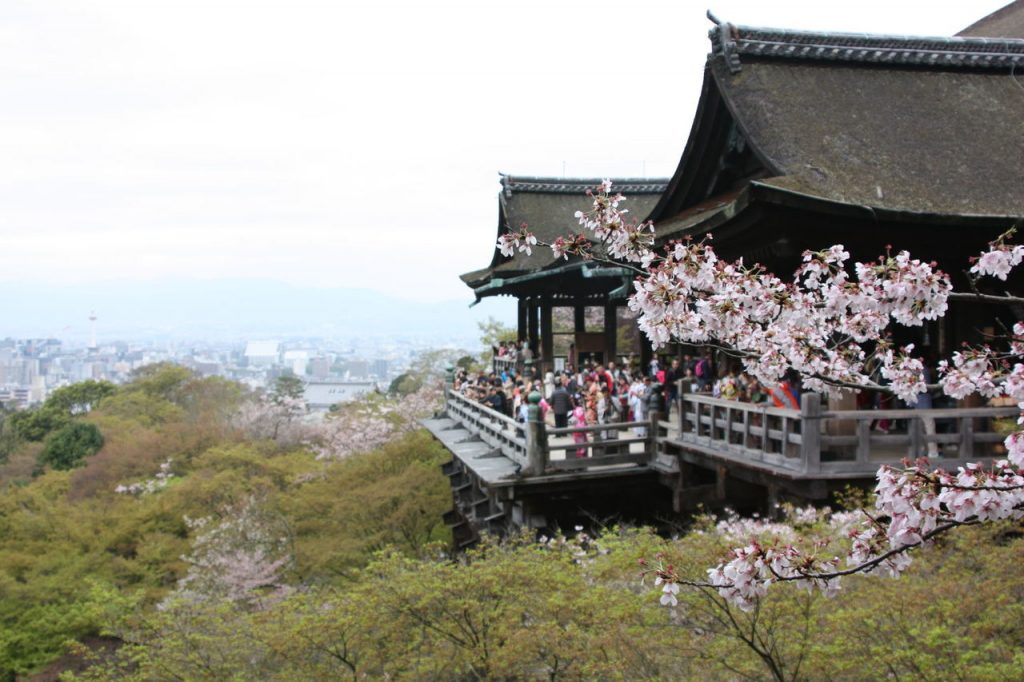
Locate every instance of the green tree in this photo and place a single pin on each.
(80, 398)
(287, 387)
(492, 333)
(56, 412)
(161, 379)
(405, 384)
(67, 447)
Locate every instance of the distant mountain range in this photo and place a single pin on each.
(230, 309)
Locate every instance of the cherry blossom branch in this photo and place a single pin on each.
(830, 323)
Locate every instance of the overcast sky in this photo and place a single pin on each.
(340, 143)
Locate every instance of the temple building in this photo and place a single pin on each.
(801, 140)
(594, 292)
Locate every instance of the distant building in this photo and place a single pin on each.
(379, 368)
(262, 353)
(319, 367)
(358, 369)
(297, 361)
(320, 395)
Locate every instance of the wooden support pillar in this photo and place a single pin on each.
(611, 332)
(646, 353)
(533, 323)
(579, 327)
(521, 326)
(547, 338)
(721, 473)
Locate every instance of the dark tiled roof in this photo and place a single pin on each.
(927, 126)
(734, 42)
(547, 206)
(909, 139)
(1007, 22)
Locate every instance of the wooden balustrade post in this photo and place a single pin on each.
(536, 437)
(651, 446)
(966, 438)
(655, 409)
(810, 431)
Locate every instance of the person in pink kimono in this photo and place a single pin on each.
(579, 418)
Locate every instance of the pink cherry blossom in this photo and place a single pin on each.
(830, 322)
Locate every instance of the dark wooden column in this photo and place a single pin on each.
(611, 331)
(547, 338)
(646, 354)
(580, 326)
(521, 327)
(532, 323)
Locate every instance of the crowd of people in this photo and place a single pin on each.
(598, 394)
(595, 394)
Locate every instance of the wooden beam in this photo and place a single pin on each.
(579, 315)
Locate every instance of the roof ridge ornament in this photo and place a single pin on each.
(730, 41)
(548, 185)
(723, 42)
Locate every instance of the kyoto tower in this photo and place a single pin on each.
(92, 330)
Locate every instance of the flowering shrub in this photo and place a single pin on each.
(830, 323)
(368, 424)
(240, 558)
(158, 482)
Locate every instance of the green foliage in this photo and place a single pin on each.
(493, 332)
(147, 409)
(405, 384)
(81, 397)
(394, 497)
(287, 386)
(162, 379)
(374, 594)
(57, 411)
(8, 436)
(69, 445)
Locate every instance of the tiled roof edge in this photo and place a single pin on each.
(511, 185)
(731, 41)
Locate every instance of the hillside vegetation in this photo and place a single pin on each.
(212, 535)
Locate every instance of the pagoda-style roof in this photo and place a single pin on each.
(909, 126)
(547, 206)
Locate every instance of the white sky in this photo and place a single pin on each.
(340, 143)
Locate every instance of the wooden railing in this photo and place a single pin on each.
(531, 444)
(816, 441)
(493, 428)
(605, 444)
(505, 365)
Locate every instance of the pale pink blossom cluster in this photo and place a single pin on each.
(831, 325)
(241, 558)
(370, 423)
(149, 486)
(1000, 259)
(282, 420)
(522, 241)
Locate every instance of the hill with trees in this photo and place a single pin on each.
(215, 534)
